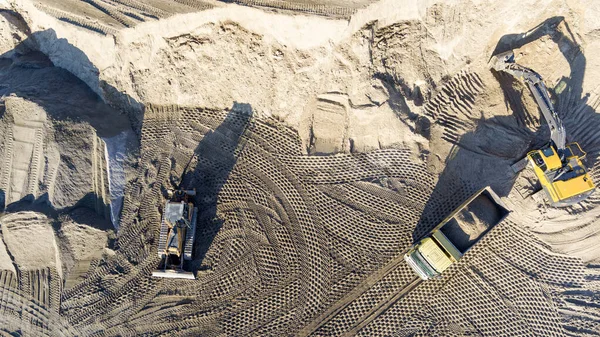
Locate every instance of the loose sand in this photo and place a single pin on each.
(30, 240)
(321, 146)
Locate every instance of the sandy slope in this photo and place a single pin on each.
(321, 149)
(30, 239)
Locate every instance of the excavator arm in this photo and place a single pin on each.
(559, 166)
(506, 62)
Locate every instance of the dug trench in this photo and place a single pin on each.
(284, 236)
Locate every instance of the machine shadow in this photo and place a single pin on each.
(483, 157)
(215, 156)
(480, 158)
(28, 73)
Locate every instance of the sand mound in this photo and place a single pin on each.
(30, 239)
(52, 148)
(82, 239)
(5, 259)
(320, 149)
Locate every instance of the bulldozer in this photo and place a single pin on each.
(558, 166)
(177, 233)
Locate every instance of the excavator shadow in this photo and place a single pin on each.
(480, 158)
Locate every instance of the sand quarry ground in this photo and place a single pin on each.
(323, 138)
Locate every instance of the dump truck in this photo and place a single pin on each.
(177, 234)
(456, 234)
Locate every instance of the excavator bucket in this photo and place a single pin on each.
(498, 62)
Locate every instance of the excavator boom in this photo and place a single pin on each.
(506, 62)
(559, 166)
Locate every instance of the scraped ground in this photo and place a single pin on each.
(320, 149)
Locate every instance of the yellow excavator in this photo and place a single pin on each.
(558, 165)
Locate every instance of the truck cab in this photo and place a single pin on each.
(456, 234)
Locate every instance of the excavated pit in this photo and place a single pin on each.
(321, 148)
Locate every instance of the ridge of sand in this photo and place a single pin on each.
(30, 239)
(318, 162)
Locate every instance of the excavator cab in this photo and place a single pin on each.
(545, 159)
(565, 181)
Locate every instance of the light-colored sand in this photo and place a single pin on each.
(80, 243)
(5, 260)
(116, 150)
(365, 133)
(30, 239)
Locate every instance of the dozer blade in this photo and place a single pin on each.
(499, 62)
(174, 274)
(520, 165)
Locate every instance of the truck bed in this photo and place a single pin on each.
(473, 221)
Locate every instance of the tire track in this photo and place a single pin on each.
(76, 20)
(452, 107)
(320, 322)
(382, 307)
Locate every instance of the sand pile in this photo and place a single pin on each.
(53, 128)
(82, 238)
(5, 260)
(30, 240)
(320, 150)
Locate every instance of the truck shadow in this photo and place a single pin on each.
(215, 157)
(483, 156)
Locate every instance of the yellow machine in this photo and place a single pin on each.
(566, 181)
(177, 232)
(558, 165)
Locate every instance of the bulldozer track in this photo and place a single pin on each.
(39, 286)
(128, 12)
(21, 312)
(112, 12)
(76, 20)
(452, 107)
(196, 4)
(342, 12)
(8, 279)
(142, 7)
(8, 159)
(36, 162)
